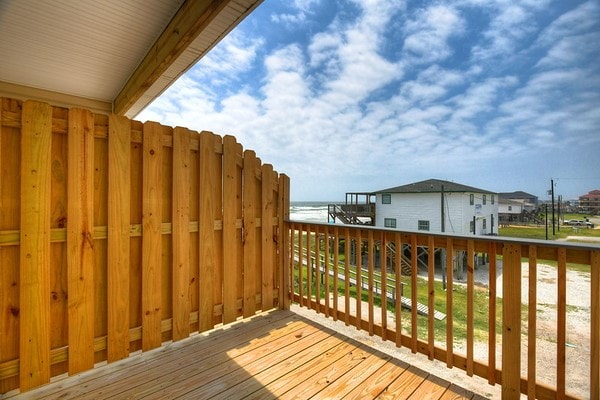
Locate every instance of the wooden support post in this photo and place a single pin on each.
(511, 321)
(80, 247)
(119, 197)
(181, 233)
(34, 277)
(283, 242)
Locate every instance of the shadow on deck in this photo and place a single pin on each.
(278, 354)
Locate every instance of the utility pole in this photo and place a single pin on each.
(559, 201)
(552, 190)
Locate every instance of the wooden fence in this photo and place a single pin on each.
(116, 236)
(509, 315)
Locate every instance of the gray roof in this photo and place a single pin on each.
(433, 186)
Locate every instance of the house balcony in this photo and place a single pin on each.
(140, 260)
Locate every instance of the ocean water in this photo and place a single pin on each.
(310, 211)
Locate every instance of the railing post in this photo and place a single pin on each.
(285, 263)
(511, 321)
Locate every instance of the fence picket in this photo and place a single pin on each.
(119, 186)
(80, 247)
(34, 279)
(181, 233)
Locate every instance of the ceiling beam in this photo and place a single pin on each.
(191, 19)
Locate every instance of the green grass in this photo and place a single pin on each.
(537, 232)
(459, 307)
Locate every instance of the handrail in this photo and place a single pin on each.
(502, 325)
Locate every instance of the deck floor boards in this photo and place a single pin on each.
(276, 355)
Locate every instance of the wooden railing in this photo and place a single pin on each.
(116, 236)
(495, 331)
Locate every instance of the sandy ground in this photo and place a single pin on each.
(578, 334)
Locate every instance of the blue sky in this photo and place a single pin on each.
(358, 96)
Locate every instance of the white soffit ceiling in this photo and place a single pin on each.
(91, 48)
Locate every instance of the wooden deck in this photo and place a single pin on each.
(278, 354)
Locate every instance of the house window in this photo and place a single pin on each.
(423, 225)
(472, 226)
(484, 223)
(492, 199)
(389, 222)
(509, 208)
(484, 199)
(386, 198)
(472, 199)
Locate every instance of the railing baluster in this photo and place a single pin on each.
(449, 300)
(310, 250)
(318, 275)
(431, 294)
(511, 321)
(347, 251)
(300, 264)
(470, 306)
(359, 280)
(398, 305)
(326, 272)
(336, 260)
(383, 264)
(370, 267)
(532, 323)
(561, 324)
(413, 292)
(492, 314)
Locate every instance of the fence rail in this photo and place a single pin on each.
(116, 236)
(491, 330)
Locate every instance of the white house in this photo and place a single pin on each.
(435, 205)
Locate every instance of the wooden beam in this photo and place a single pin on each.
(191, 19)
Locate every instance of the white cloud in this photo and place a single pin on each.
(429, 31)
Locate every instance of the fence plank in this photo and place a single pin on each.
(80, 247)
(249, 238)
(210, 211)
(511, 321)
(34, 338)
(268, 261)
(370, 280)
(119, 164)
(152, 237)
(230, 256)
(181, 233)
(10, 198)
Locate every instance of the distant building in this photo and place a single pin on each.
(510, 211)
(529, 201)
(590, 203)
(436, 206)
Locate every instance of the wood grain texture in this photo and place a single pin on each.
(511, 321)
(34, 276)
(152, 236)
(119, 187)
(250, 237)
(181, 233)
(80, 243)
(268, 246)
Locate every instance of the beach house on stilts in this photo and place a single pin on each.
(139, 260)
